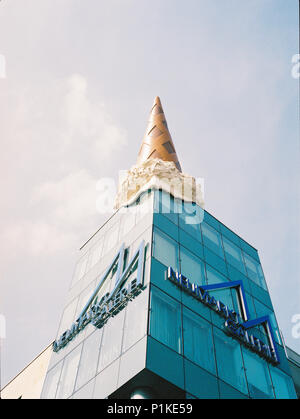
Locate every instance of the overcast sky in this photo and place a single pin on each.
(80, 80)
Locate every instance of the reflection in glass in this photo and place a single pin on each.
(68, 374)
(89, 358)
(250, 304)
(51, 382)
(165, 319)
(198, 340)
(258, 377)
(192, 267)
(214, 277)
(283, 384)
(84, 298)
(229, 361)
(165, 250)
(112, 340)
(68, 317)
(135, 320)
(262, 310)
(212, 239)
(234, 255)
(254, 271)
(190, 218)
(225, 296)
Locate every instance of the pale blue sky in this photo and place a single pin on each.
(81, 78)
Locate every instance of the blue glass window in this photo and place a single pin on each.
(237, 303)
(190, 218)
(283, 384)
(213, 276)
(212, 239)
(250, 305)
(198, 341)
(275, 327)
(165, 204)
(224, 295)
(262, 310)
(165, 249)
(258, 377)
(229, 361)
(165, 320)
(234, 255)
(192, 267)
(254, 271)
(227, 296)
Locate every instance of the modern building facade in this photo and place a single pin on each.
(166, 301)
(294, 363)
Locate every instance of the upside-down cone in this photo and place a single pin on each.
(157, 142)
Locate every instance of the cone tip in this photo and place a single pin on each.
(157, 142)
(157, 101)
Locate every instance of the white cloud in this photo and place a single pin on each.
(36, 238)
(63, 210)
(57, 124)
(89, 122)
(70, 200)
